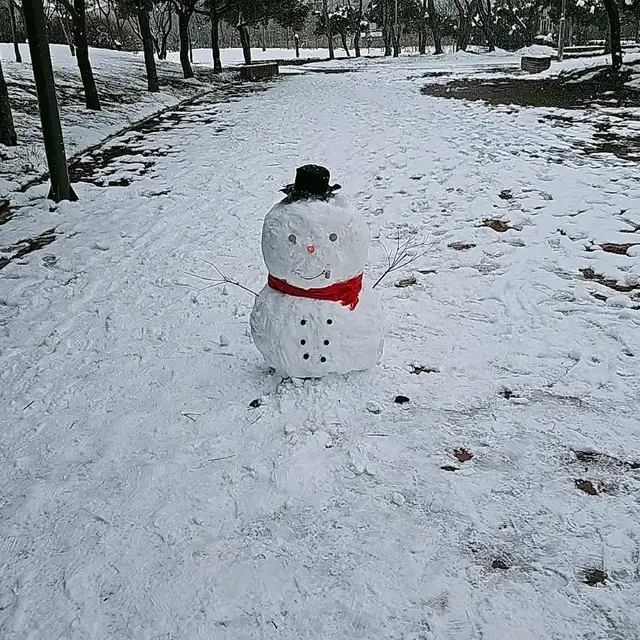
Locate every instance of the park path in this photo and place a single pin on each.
(146, 494)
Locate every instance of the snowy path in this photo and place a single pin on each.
(142, 497)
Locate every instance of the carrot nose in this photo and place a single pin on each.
(311, 248)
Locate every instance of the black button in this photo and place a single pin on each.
(323, 359)
(326, 343)
(328, 321)
(303, 322)
(306, 356)
(303, 342)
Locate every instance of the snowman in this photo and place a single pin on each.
(315, 316)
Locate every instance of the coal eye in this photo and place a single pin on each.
(292, 238)
(333, 237)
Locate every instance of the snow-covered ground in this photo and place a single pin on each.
(121, 82)
(145, 494)
(233, 56)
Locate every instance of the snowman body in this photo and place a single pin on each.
(312, 245)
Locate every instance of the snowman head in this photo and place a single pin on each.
(313, 243)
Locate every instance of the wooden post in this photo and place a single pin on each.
(35, 25)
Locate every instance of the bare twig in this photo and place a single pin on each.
(405, 253)
(223, 279)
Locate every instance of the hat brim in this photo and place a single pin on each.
(291, 190)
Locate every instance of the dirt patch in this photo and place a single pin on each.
(620, 249)
(604, 459)
(584, 90)
(26, 246)
(5, 212)
(601, 90)
(590, 274)
(594, 577)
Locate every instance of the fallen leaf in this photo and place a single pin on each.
(586, 486)
(462, 455)
(406, 282)
(254, 404)
(506, 194)
(461, 246)
(497, 225)
(401, 399)
(448, 467)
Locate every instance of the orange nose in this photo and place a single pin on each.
(311, 248)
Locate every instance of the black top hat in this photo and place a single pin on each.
(312, 181)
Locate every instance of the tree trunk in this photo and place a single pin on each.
(92, 100)
(356, 37)
(147, 46)
(434, 23)
(464, 25)
(387, 35)
(67, 37)
(215, 35)
(35, 25)
(327, 22)
(245, 41)
(162, 55)
(386, 39)
(488, 27)
(264, 37)
(296, 41)
(183, 32)
(614, 33)
(422, 30)
(14, 31)
(345, 45)
(7, 130)
(396, 40)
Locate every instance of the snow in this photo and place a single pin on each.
(121, 82)
(234, 56)
(538, 51)
(158, 482)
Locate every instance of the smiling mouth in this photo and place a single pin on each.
(326, 273)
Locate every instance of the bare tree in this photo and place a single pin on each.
(77, 12)
(161, 25)
(486, 18)
(184, 9)
(434, 23)
(466, 10)
(142, 12)
(613, 13)
(358, 29)
(14, 30)
(327, 26)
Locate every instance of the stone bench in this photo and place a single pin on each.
(260, 71)
(531, 64)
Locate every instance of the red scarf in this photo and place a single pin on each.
(346, 293)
